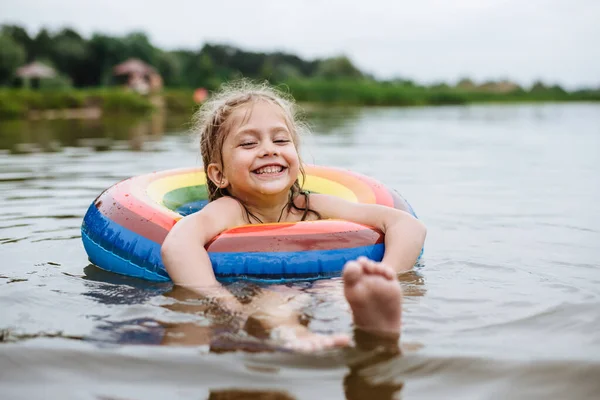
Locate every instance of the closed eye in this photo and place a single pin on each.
(247, 144)
(282, 141)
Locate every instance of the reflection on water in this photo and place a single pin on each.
(209, 325)
(506, 304)
(136, 133)
(237, 394)
(201, 321)
(330, 120)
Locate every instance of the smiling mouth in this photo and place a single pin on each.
(269, 170)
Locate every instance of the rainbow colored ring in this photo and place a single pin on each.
(125, 226)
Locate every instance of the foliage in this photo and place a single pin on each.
(405, 93)
(12, 55)
(179, 101)
(19, 35)
(10, 107)
(120, 101)
(59, 82)
(337, 68)
(88, 63)
(170, 68)
(69, 55)
(18, 102)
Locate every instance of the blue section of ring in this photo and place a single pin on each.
(114, 248)
(285, 266)
(110, 261)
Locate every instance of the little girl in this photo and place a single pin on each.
(249, 140)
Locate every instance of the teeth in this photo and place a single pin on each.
(270, 169)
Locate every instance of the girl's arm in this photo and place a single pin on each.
(189, 266)
(183, 253)
(404, 234)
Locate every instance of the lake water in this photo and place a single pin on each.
(506, 304)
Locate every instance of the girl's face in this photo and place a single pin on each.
(259, 156)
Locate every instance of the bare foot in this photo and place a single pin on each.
(374, 295)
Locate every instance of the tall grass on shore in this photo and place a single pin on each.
(373, 93)
(18, 103)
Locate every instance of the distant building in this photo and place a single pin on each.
(33, 72)
(138, 76)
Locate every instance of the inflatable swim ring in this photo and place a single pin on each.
(125, 226)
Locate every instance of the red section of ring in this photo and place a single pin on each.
(382, 194)
(295, 228)
(290, 238)
(131, 194)
(118, 213)
(298, 242)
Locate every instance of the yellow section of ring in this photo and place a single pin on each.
(327, 186)
(322, 180)
(158, 188)
(362, 192)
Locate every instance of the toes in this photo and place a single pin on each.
(389, 273)
(352, 272)
(384, 271)
(369, 266)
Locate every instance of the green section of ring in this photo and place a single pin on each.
(185, 195)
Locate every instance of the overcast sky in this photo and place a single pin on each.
(426, 40)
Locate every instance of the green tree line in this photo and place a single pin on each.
(87, 65)
(89, 62)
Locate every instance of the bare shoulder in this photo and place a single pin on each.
(216, 217)
(224, 204)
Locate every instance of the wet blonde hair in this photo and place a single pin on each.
(212, 123)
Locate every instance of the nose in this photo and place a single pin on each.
(269, 149)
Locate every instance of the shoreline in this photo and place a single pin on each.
(88, 104)
(66, 113)
(93, 113)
